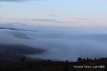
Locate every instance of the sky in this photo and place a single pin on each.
(76, 13)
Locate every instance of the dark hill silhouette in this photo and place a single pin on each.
(17, 29)
(14, 52)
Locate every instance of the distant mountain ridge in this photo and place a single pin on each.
(17, 29)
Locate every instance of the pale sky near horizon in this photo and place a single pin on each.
(54, 12)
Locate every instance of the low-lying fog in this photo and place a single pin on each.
(60, 43)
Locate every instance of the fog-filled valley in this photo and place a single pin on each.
(56, 43)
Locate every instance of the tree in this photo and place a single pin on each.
(66, 61)
(95, 59)
(22, 59)
(84, 59)
(79, 59)
(87, 59)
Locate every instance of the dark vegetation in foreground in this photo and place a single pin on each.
(13, 58)
(84, 64)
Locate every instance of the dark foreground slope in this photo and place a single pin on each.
(10, 61)
(14, 52)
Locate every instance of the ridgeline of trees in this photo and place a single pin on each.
(50, 64)
(89, 60)
(80, 59)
